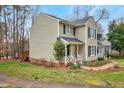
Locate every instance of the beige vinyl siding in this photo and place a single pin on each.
(80, 34)
(43, 35)
(90, 41)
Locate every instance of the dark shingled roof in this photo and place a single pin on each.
(82, 21)
(99, 43)
(106, 43)
(62, 20)
(69, 39)
(74, 23)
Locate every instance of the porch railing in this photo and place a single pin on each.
(74, 60)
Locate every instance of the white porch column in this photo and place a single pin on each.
(77, 50)
(65, 52)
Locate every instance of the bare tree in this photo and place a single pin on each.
(1, 31)
(87, 9)
(15, 20)
(1, 39)
(102, 14)
(76, 12)
(35, 13)
(6, 30)
(80, 12)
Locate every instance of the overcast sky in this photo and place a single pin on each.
(64, 11)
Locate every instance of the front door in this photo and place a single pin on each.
(68, 50)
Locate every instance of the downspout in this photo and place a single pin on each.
(58, 29)
(86, 47)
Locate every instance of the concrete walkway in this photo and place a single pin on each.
(101, 68)
(12, 81)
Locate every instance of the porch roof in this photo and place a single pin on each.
(99, 43)
(71, 40)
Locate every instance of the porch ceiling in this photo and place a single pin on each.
(71, 40)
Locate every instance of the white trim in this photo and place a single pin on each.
(86, 47)
(92, 33)
(93, 52)
(68, 30)
(58, 30)
(65, 53)
(65, 42)
(49, 16)
(77, 50)
(71, 46)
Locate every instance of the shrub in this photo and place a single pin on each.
(94, 63)
(72, 67)
(77, 66)
(100, 58)
(1, 54)
(59, 50)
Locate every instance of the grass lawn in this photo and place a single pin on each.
(80, 77)
(9, 87)
(120, 60)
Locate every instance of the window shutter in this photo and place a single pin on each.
(89, 50)
(95, 50)
(88, 32)
(74, 31)
(63, 29)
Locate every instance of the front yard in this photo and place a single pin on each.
(79, 77)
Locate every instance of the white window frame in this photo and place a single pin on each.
(68, 30)
(92, 33)
(93, 51)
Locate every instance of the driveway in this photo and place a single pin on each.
(12, 81)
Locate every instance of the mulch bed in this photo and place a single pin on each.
(7, 60)
(50, 65)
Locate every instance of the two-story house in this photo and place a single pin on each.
(80, 37)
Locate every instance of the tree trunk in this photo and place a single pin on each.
(14, 51)
(17, 34)
(6, 33)
(119, 53)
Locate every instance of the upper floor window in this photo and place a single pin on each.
(91, 33)
(68, 30)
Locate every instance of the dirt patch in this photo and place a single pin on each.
(106, 67)
(12, 81)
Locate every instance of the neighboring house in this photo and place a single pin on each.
(81, 38)
(105, 48)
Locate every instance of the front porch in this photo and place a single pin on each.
(73, 48)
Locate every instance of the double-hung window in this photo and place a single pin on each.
(68, 30)
(91, 33)
(91, 50)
